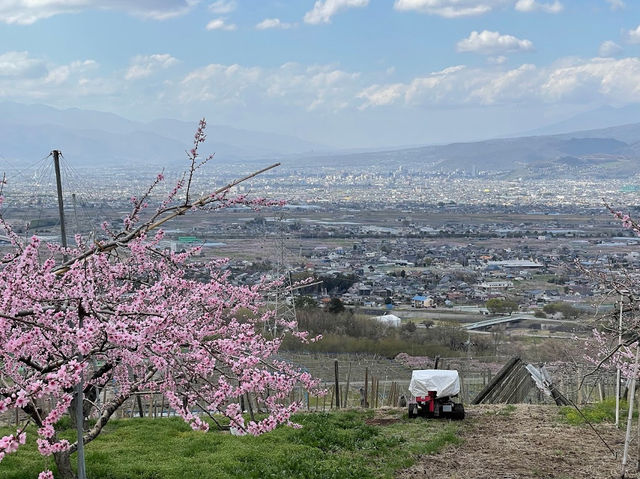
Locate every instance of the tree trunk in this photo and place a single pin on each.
(63, 462)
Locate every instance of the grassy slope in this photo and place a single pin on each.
(333, 445)
(603, 411)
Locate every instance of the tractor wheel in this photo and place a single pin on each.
(413, 411)
(458, 412)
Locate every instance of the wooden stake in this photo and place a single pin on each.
(250, 407)
(632, 395)
(332, 395)
(600, 390)
(324, 401)
(140, 408)
(337, 383)
(376, 396)
(580, 395)
(638, 453)
(345, 402)
(366, 385)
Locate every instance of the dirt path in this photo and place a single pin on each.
(501, 442)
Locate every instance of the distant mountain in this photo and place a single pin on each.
(29, 132)
(609, 152)
(603, 117)
(88, 138)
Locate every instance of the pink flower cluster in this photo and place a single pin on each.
(9, 444)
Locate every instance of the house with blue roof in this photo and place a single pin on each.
(422, 302)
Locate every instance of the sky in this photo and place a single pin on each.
(340, 73)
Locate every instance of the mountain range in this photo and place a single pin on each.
(604, 152)
(89, 138)
(29, 132)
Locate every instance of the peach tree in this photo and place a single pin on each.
(127, 314)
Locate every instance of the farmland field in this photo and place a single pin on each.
(526, 442)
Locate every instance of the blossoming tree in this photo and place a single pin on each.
(122, 312)
(616, 341)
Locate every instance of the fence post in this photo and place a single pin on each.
(337, 383)
(324, 401)
(377, 392)
(345, 401)
(366, 386)
(333, 390)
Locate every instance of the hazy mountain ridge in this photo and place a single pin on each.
(89, 138)
(29, 132)
(613, 151)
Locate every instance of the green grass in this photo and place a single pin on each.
(332, 445)
(604, 411)
(507, 410)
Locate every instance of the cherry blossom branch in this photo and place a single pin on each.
(157, 220)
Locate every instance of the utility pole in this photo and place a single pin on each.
(56, 165)
(79, 387)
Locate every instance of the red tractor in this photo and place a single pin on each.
(432, 390)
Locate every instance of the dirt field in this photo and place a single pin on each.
(502, 442)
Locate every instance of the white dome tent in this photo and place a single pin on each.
(390, 320)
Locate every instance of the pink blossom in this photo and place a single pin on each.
(148, 325)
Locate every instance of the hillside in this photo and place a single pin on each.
(29, 132)
(608, 152)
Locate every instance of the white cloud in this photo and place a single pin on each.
(570, 81)
(616, 4)
(292, 90)
(318, 87)
(534, 6)
(466, 8)
(616, 80)
(26, 12)
(221, 7)
(380, 95)
(499, 60)
(323, 10)
(60, 75)
(492, 43)
(633, 36)
(273, 23)
(20, 65)
(609, 49)
(143, 66)
(219, 24)
(449, 8)
(27, 79)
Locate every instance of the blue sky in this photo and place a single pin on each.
(346, 73)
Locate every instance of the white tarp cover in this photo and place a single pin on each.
(390, 320)
(442, 381)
